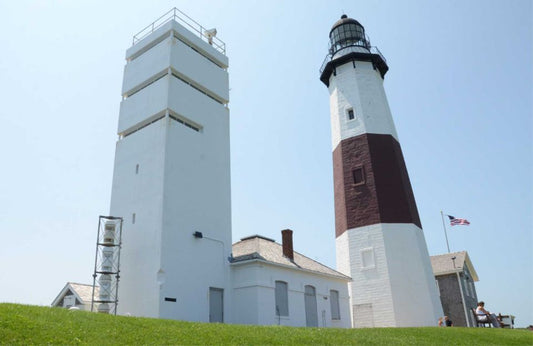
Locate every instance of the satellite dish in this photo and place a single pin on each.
(210, 34)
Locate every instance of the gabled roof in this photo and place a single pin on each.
(82, 292)
(258, 248)
(444, 264)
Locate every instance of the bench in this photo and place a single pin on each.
(481, 322)
(484, 322)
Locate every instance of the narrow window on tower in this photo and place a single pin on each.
(133, 218)
(351, 114)
(359, 175)
(137, 169)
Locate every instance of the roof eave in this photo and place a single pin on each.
(338, 277)
(471, 268)
(447, 272)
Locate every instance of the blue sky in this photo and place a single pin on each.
(459, 87)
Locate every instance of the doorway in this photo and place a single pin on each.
(311, 315)
(216, 305)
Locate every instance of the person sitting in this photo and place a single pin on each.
(484, 315)
(448, 322)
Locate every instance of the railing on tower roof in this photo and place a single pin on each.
(372, 49)
(188, 22)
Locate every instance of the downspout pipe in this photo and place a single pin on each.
(463, 299)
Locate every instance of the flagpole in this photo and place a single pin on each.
(445, 234)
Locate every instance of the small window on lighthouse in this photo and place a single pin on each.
(367, 258)
(358, 176)
(351, 114)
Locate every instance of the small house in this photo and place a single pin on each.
(75, 295)
(273, 284)
(455, 277)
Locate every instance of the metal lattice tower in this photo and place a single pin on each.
(107, 264)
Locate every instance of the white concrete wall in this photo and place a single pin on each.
(197, 68)
(171, 52)
(145, 67)
(400, 286)
(186, 102)
(141, 106)
(196, 198)
(176, 29)
(140, 193)
(254, 295)
(183, 183)
(369, 285)
(245, 294)
(360, 88)
(411, 276)
(342, 252)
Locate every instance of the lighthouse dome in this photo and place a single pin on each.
(347, 32)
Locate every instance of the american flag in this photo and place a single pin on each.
(454, 221)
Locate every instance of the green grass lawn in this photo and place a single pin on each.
(23, 324)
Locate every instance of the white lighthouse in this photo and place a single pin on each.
(379, 238)
(171, 180)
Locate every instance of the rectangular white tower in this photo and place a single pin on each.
(172, 175)
(379, 238)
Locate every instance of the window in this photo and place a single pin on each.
(358, 176)
(133, 218)
(467, 287)
(334, 302)
(137, 169)
(282, 299)
(69, 301)
(351, 114)
(367, 258)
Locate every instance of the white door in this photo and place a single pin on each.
(311, 315)
(216, 305)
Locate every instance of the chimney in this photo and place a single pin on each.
(286, 242)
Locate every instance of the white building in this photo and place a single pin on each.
(272, 284)
(456, 277)
(171, 184)
(75, 295)
(172, 178)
